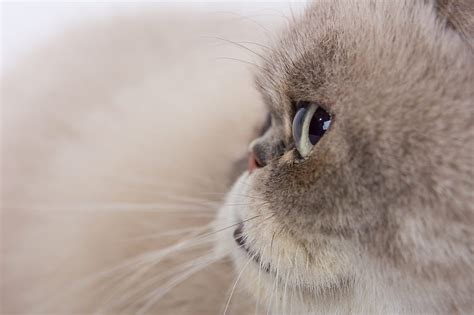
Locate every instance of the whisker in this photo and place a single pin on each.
(274, 287)
(245, 204)
(151, 258)
(158, 208)
(241, 60)
(260, 267)
(149, 281)
(299, 282)
(236, 194)
(170, 233)
(209, 234)
(287, 278)
(245, 18)
(156, 294)
(254, 43)
(186, 200)
(279, 14)
(230, 226)
(238, 45)
(236, 282)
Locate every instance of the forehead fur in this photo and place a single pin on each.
(390, 183)
(398, 80)
(369, 45)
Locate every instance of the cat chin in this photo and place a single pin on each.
(274, 294)
(282, 282)
(276, 270)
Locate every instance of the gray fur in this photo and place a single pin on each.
(384, 204)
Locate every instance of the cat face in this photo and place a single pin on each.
(377, 214)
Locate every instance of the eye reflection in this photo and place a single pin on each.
(309, 125)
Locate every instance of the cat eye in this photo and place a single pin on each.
(309, 125)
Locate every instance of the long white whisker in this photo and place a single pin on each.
(241, 46)
(246, 18)
(241, 60)
(274, 287)
(151, 258)
(120, 207)
(160, 292)
(142, 285)
(257, 304)
(235, 194)
(143, 269)
(287, 278)
(299, 288)
(173, 232)
(235, 284)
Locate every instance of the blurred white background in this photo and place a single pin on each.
(27, 24)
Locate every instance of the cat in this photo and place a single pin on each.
(360, 194)
(355, 195)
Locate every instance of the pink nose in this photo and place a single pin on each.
(253, 163)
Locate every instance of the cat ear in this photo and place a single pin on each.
(459, 16)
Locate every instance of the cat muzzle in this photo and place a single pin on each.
(240, 239)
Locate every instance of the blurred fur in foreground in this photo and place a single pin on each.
(119, 140)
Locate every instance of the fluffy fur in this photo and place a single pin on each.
(118, 141)
(110, 158)
(378, 219)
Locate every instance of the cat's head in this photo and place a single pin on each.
(359, 192)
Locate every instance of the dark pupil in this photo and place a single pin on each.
(316, 127)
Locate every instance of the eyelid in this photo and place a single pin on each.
(299, 104)
(300, 128)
